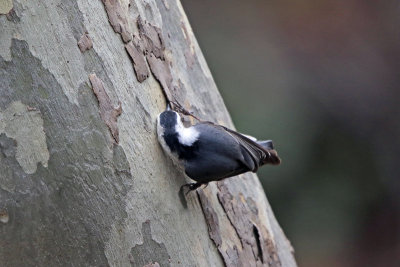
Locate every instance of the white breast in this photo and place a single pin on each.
(186, 136)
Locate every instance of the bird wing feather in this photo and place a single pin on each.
(258, 154)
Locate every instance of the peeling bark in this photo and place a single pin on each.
(108, 113)
(93, 187)
(85, 43)
(139, 61)
(257, 245)
(117, 15)
(211, 218)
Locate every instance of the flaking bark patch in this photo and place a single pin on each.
(162, 73)
(153, 48)
(139, 62)
(148, 44)
(85, 43)
(25, 125)
(222, 233)
(108, 112)
(118, 19)
(211, 219)
(257, 243)
(152, 38)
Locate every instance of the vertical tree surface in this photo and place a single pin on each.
(83, 180)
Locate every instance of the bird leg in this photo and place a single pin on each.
(179, 108)
(191, 187)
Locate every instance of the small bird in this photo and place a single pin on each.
(210, 152)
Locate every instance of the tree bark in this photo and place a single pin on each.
(83, 180)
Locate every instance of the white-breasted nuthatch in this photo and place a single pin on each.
(210, 152)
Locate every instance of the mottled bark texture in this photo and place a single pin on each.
(83, 180)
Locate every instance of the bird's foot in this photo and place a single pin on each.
(191, 187)
(180, 109)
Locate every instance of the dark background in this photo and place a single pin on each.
(320, 78)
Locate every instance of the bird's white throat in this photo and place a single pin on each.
(186, 136)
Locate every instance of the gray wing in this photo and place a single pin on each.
(258, 151)
(224, 153)
(217, 155)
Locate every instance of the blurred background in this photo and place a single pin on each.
(320, 78)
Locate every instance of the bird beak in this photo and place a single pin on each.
(168, 106)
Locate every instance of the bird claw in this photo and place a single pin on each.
(191, 187)
(180, 109)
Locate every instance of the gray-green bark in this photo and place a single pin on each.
(83, 180)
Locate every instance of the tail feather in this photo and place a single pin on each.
(266, 144)
(273, 157)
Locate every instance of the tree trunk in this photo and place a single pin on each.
(83, 180)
